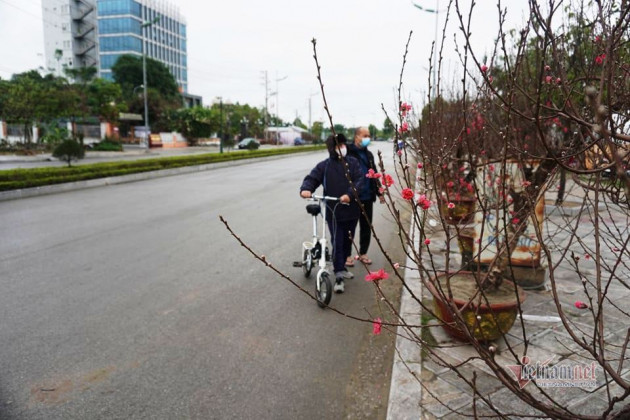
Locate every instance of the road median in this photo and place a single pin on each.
(22, 183)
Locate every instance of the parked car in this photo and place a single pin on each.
(299, 141)
(248, 143)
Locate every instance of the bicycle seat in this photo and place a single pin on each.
(313, 209)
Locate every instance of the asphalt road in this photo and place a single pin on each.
(133, 301)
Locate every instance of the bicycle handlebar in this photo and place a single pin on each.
(315, 197)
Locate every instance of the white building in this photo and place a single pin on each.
(70, 34)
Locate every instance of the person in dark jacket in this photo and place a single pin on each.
(368, 193)
(342, 219)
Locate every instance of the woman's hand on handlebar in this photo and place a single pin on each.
(305, 194)
(345, 199)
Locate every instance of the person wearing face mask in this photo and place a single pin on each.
(367, 194)
(342, 219)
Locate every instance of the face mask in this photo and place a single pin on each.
(365, 141)
(342, 151)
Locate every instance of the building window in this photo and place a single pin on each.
(121, 43)
(118, 7)
(119, 25)
(108, 61)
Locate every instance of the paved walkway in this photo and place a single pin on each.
(422, 386)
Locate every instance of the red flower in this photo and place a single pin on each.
(599, 60)
(580, 305)
(451, 205)
(424, 202)
(427, 241)
(372, 174)
(377, 275)
(388, 181)
(420, 165)
(516, 220)
(450, 184)
(407, 194)
(376, 326)
(404, 127)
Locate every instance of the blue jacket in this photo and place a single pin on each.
(366, 160)
(332, 175)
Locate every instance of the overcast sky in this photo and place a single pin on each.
(231, 43)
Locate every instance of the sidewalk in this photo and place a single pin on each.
(420, 381)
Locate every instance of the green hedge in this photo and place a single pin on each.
(14, 179)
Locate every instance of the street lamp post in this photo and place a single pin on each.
(221, 135)
(437, 15)
(147, 129)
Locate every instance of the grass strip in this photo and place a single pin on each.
(14, 179)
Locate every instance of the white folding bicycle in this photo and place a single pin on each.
(316, 252)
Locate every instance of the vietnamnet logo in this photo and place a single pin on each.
(545, 374)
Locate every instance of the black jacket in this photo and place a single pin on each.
(373, 183)
(332, 175)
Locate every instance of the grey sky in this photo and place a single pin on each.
(231, 43)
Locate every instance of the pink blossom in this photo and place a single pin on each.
(548, 79)
(599, 60)
(483, 152)
(484, 68)
(516, 220)
(580, 305)
(587, 256)
(377, 275)
(547, 68)
(450, 184)
(451, 205)
(381, 190)
(558, 81)
(427, 241)
(407, 193)
(376, 326)
(399, 153)
(388, 181)
(404, 127)
(420, 165)
(396, 265)
(490, 79)
(372, 174)
(491, 167)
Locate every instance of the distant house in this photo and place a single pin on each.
(284, 135)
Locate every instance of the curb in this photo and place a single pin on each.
(100, 182)
(405, 393)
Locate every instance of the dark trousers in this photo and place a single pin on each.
(340, 233)
(364, 225)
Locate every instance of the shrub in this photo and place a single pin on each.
(108, 146)
(68, 151)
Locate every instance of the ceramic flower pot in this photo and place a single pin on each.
(486, 322)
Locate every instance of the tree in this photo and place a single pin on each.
(298, 123)
(69, 151)
(105, 100)
(317, 129)
(127, 72)
(388, 128)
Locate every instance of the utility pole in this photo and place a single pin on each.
(266, 77)
(310, 122)
(278, 95)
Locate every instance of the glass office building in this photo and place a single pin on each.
(120, 32)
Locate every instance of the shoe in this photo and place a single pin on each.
(346, 274)
(349, 262)
(365, 259)
(339, 285)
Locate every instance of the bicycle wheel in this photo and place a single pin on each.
(323, 289)
(307, 262)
